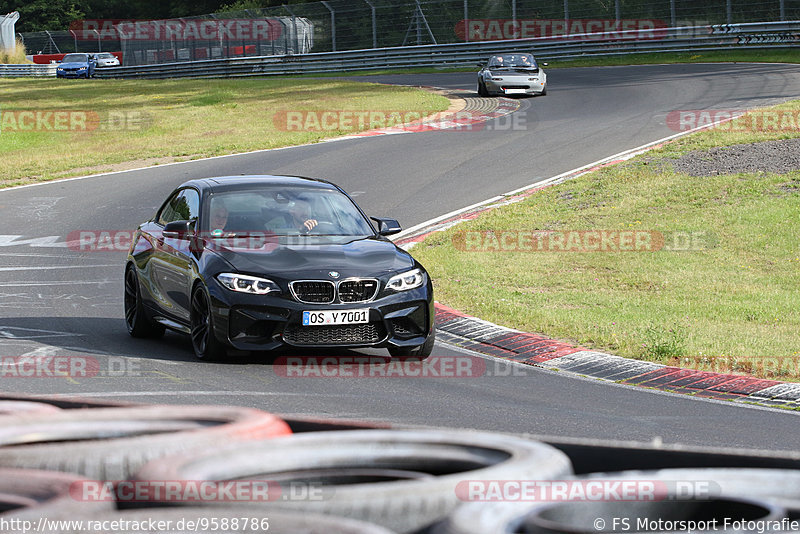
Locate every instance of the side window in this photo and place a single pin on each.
(183, 206)
(168, 211)
(189, 206)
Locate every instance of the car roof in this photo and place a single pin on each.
(227, 183)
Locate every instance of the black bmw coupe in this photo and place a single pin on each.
(259, 263)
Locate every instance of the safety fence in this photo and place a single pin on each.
(734, 37)
(339, 25)
(763, 35)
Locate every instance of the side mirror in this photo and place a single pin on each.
(387, 226)
(178, 230)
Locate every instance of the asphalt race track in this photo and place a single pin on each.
(56, 301)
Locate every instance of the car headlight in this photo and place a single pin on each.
(247, 284)
(405, 281)
(81, 68)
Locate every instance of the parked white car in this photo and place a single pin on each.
(106, 59)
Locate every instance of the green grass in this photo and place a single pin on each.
(176, 119)
(730, 304)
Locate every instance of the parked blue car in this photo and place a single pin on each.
(76, 66)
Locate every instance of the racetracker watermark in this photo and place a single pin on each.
(72, 120)
(599, 490)
(216, 30)
(734, 120)
(122, 240)
(578, 29)
(461, 366)
(615, 241)
(196, 491)
(407, 121)
(49, 366)
(76, 367)
(774, 366)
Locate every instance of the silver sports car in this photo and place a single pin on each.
(512, 74)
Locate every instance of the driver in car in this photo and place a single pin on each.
(301, 216)
(218, 220)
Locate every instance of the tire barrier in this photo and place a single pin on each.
(112, 443)
(27, 494)
(400, 479)
(66, 403)
(404, 480)
(582, 517)
(238, 519)
(781, 486)
(26, 408)
(697, 494)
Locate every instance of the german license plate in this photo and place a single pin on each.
(515, 91)
(328, 317)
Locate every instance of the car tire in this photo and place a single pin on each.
(544, 91)
(482, 89)
(425, 471)
(204, 342)
(114, 443)
(136, 320)
(17, 407)
(420, 351)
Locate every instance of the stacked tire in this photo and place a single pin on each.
(113, 443)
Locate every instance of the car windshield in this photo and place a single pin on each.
(284, 212)
(513, 61)
(105, 55)
(75, 58)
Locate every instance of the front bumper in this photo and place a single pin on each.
(72, 74)
(511, 87)
(267, 322)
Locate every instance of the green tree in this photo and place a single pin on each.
(37, 15)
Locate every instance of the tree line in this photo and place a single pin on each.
(55, 15)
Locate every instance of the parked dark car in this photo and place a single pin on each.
(258, 263)
(76, 66)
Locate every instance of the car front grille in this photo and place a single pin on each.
(313, 291)
(516, 87)
(357, 290)
(349, 334)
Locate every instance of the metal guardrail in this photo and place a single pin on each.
(683, 39)
(27, 70)
(694, 38)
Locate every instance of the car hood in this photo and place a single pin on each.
(314, 257)
(73, 65)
